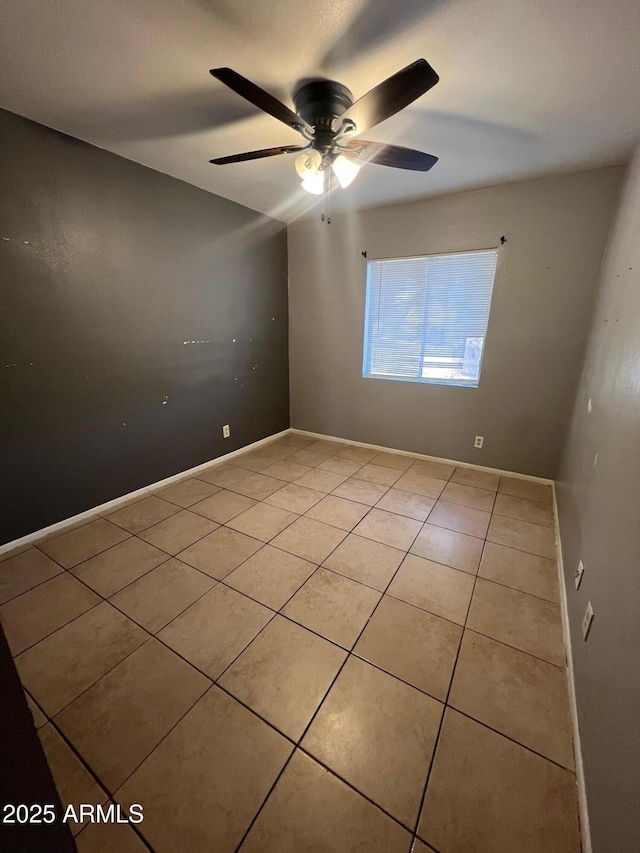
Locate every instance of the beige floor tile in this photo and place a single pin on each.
(220, 552)
(378, 734)
(439, 470)
(389, 528)
(223, 506)
(322, 481)
(326, 445)
(114, 569)
(271, 576)
(212, 632)
(142, 514)
(13, 552)
(216, 808)
(334, 607)
(66, 663)
(284, 674)
(109, 837)
(158, 597)
(519, 620)
(79, 544)
(254, 461)
(439, 589)
(311, 540)
(406, 503)
(178, 532)
(487, 793)
(74, 525)
(414, 480)
(187, 492)
(519, 570)
(294, 439)
(393, 460)
(116, 723)
(276, 450)
(257, 486)
(463, 519)
(311, 810)
(524, 509)
(360, 491)
(449, 547)
(24, 571)
(286, 470)
(39, 718)
(223, 475)
(339, 465)
(458, 493)
(379, 474)
(519, 696)
(413, 645)
(263, 521)
(41, 611)
(310, 458)
(365, 561)
(522, 535)
(526, 489)
(73, 781)
(295, 498)
(479, 479)
(338, 512)
(358, 454)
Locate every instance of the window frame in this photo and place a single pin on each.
(419, 379)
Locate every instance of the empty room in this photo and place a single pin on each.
(320, 426)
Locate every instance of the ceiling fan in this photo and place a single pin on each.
(329, 119)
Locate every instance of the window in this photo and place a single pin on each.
(426, 318)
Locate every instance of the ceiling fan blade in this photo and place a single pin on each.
(258, 155)
(390, 96)
(259, 98)
(390, 155)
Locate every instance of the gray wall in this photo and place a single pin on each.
(556, 230)
(599, 512)
(107, 268)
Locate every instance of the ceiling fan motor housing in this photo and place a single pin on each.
(319, 103)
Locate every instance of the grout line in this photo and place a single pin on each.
(446, 704)
(94, 776)
(55, 630)
(512, 739)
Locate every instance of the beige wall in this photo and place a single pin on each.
(556, 230)
(599, 509)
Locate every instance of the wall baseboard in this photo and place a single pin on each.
(60, 526)
(455, 462)
(583, 812)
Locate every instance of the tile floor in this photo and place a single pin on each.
(315, 647)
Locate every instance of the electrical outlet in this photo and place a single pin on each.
(578, 575)
(479, 441)
(226, 431)
(587, 619)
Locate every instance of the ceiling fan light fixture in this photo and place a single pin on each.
(313, 182)
(345, 170)
(308, 163)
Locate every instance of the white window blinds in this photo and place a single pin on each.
(426, 318)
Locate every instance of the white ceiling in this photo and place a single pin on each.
(526, 86)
